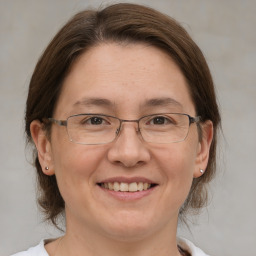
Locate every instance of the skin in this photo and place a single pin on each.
(127, 76)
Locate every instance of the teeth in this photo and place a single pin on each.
(110, 186)
(125, 187)
(146, 186)
(140, 186)
(133, 187)
(116, 186)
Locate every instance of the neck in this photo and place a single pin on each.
(89, 243)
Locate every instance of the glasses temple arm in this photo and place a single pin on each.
(196, 119)
(59, 122)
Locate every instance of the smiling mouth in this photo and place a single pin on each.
(127, 187)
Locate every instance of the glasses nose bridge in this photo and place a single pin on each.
(127, 121)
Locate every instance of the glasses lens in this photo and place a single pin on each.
(92, 129)
(164, 128)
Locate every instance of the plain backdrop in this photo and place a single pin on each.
(225, 31)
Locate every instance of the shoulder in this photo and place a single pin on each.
(190, 247)
(38, 250)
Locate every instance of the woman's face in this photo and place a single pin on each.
(127, 82)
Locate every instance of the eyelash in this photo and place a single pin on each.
(85, 121)
(166, 120)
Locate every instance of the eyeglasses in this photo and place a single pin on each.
(94, 129)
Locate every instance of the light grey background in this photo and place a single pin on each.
(225, 31)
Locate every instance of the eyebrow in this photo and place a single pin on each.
(155, 102)
(94, 101)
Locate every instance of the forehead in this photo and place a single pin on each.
(124, 76)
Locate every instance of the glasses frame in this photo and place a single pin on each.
(192, 120)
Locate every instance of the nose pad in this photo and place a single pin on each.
(119, 129)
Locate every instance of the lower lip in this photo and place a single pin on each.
(128, 196)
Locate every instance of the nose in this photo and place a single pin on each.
(128, 149)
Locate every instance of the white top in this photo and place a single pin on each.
(39, 250)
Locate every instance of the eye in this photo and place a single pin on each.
(160, 120)
(94, 120)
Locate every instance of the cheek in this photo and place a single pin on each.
(75, 167)
(176, 164)
(176, 161)
(71, 159)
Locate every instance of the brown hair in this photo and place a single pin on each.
(127, 23)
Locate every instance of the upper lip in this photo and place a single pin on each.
(127, 180)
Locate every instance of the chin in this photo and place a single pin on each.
(130, 234)
(128, 227)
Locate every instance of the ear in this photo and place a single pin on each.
(203, 148)
(43, 146)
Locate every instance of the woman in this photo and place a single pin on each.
(122, 111)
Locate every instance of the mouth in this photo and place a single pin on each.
(127, 187)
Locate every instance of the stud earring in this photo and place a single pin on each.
(202, 171)
(46, 168)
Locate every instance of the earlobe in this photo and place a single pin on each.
(43, 147)
(204, 149)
